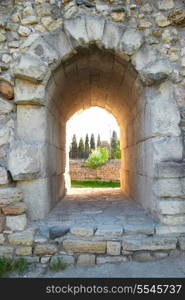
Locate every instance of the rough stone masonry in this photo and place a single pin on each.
(60, 56)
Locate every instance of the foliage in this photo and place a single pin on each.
(81, 149)
(97, 158)
(95, 184)
(8, 265)
(117, 151)
(58, 265)
(74, 148)
(92, 142)
(113, 142)
(87, 148)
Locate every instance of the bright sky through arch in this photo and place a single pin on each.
(93, 120)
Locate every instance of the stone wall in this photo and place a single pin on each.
(108, 172)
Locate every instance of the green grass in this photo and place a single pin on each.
(59, 265)
(8, 265)
(95, 184)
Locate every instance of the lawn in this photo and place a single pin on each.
(95, 184)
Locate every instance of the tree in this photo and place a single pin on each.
(97, 158)
(113, 143)
(117, 151)
(74, 148)
(87, 148)
(98, 141)
(81, 148)
(92, 142)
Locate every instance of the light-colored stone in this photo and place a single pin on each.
(3, 176)
(14, 209)
(5, 106)
(16, 223)
(67, 259)
(131, 41)
(149, 243)
(82, 231)
(2, 38)
(76, 28)
(172, 219)
(143, 256)
(29, 20)
(73, 245)
(139, 228)
(165, 5)
(6, 251)
(113, 248)
(45, 249)
(169, 229)
(23, 251)
(111, 259)
(86, 259)
(162, 21)
(109, 230)
(2, 239)
(24, 31)
(10, 195)
(24, 238)
(169, 187)
(112, 34)
(95, 26)
(170, 170)
(172, 206)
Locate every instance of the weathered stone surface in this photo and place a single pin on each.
(131, 41)
(170, 169)
(24, 31)
(6, 90)
(181, 241)
(24, 161)
(45, 249)
(86, 259)
(139, 228)
(111, 259)
(156, 72)
(168, 229)
(14, 209)
(165, 5)
(7, 133)
(2, 222)
(24, 238)
(3, 176)
(10, 195)
(149, 243)
(162, 20)
(82, 231)
(108, 230)
(31, 68)
(2, 239)
(172, 206)
(95, 27)
(113, 248)
(6, 251)
(68, 259)
(5, 107)
(23, 251)
(169, 187)
(29, 20)
(75, 27)
(112, 35)
(16, 223)
(84, 246)
(58, 231)
(172, 220)
(143, 256)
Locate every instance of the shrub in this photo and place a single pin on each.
(8, 265)
(97, 158)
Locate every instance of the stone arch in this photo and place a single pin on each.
(141, 98)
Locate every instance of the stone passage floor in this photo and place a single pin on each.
(90, 206)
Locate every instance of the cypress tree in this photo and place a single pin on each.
(81, 149)
(92, 142)
(113, 143)
(87, 148)
(74, 148)
(98, 141)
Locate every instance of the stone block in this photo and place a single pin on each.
(45, 249)
(155, 73)
(16, 223)
(112, 35)
(6, 251)
(5, 107)
(95, 27)
(14, 209)
(24, 238)
(27, 92)
(167, 148)
(169, 229)
(131, 41)
(113, 248)
(181, 241)
(139, 228)
(165, 5)
(111, 259)
(23, 251)
(86, 259)
(171, 206)
(6, 89)
(149, 243)
(10, 195)
(172, 219)
(169, 187)
(31, 68)
(68, 259)
(82, 231)
(2, 239)
(24, 161)
(144, 256)
(169, 169)
(109, 230)
(3, 176)
(58, 231)
(73, 245)
(76, 28)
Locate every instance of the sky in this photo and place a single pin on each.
(93, 120)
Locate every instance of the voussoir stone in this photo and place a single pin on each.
(10, 195)
(131, 41)
(24, 238)
(155, 73)
(76, 28)
(14, 209)
(95, 27)
(84, 246)
(16, 223)
(31, 68)
(149, 243)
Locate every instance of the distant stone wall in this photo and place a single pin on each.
(108, 172)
